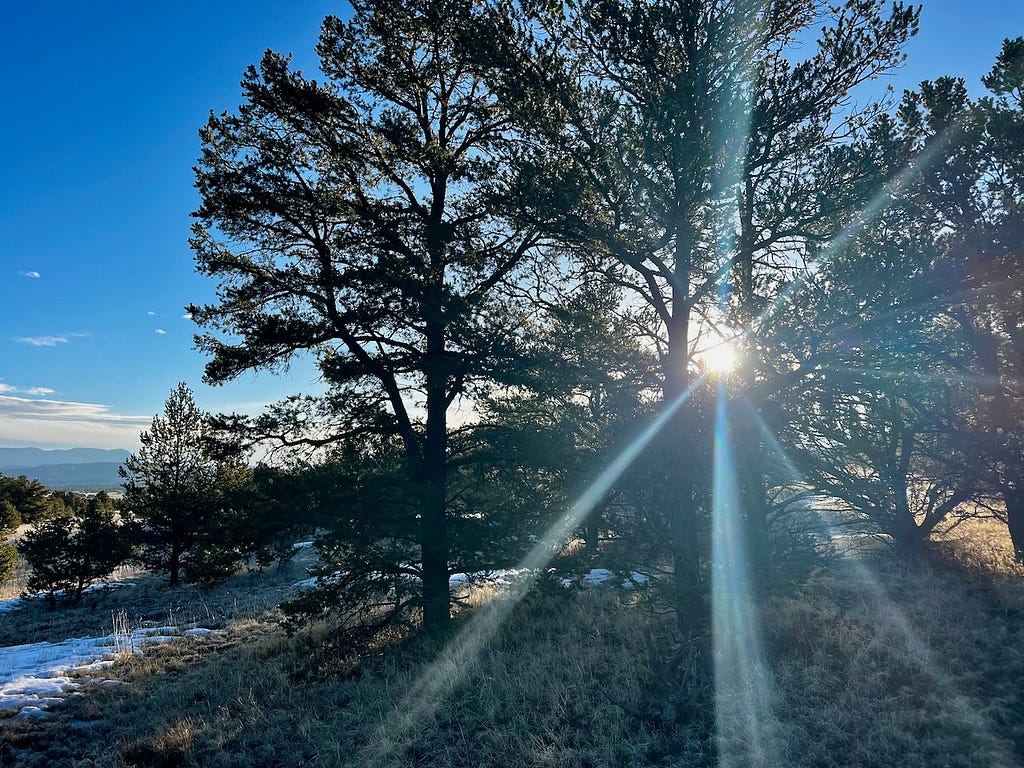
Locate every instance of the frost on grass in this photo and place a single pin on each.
(38, 676)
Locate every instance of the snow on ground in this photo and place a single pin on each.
(503, 577)
(38, 676)
(598, 576)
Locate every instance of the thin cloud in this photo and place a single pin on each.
(10, 388)
(61, 423)
(160, 331)
(39, 391)
(41, 341)
(31, 273)
(187, 316)
(151, 313)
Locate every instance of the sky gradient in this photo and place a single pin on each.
(102, 104)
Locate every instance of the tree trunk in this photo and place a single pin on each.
(750, 474)
(746, 434)
(434, 513)
(907, 536)
(592, 531)
(693, 611)
(174, 565)
(1014, 501)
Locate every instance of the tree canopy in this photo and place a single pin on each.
(545, 216)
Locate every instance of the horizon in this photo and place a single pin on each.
(96, 268)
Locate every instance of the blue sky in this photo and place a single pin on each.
(102, 102)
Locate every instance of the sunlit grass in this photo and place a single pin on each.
(892, 618)
(980, 544)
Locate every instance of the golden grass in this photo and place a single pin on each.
(982, 544)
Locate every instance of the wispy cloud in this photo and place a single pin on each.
(41, 341)
(151, 313)
(59, 423)
(10, 388)
(160, 331)
(31, 273)
(187, 316)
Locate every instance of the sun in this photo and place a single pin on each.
(720, 359)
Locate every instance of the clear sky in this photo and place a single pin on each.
(101, 106)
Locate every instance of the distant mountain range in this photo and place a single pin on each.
(79, 469)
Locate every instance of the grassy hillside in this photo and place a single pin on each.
(871, 663)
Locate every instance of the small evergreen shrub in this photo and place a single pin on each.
(68, 553)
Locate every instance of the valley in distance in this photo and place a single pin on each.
(88, 470)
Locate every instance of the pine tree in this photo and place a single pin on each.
(69, 552)
(170, 486)
(351, 219)
(694, 154)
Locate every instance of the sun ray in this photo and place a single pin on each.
(743, 682)
(457, 659)
(874, 207)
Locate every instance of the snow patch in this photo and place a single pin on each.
(501, 577)
(597, 576)
(37, 676)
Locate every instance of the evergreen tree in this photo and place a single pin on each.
(699, 157)
(70, 552)
(29, 497)
(171, 487)
(994, 318)
(9, 521)
(9, 517)
(351, 219)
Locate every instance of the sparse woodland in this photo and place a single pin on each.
(662, 288)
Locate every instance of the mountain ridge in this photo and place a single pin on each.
(28, 457)
(77, 469)
(89, 477)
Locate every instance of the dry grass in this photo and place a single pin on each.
(981, 544)
(872, 663)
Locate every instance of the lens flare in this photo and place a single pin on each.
(720, 359)
(744, 718)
